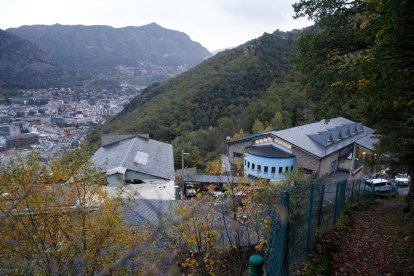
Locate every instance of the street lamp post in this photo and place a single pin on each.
(182, 172)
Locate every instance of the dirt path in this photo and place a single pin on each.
(381, 242)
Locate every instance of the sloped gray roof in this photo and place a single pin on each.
(107, 139)
(321, 138)
(368, 142)
(123, 154)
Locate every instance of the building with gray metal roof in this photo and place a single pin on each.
(134, 159)
(318, 147)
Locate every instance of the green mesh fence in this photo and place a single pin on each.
(313, 209)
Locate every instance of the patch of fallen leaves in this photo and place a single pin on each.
(380, 242)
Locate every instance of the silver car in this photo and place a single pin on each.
(402, 179)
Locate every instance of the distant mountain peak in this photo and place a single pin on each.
(83, 47)
(100, 49)
(154, 24)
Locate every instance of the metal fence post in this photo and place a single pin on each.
(340, 199)
(352, 193)
(373, 191)
(363, 193)
(284, 217)
(321, 197)
(276, 258)
(342, 196)
(359, 190)
(310, 207)
(336, 203)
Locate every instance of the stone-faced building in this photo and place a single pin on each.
(319, 148)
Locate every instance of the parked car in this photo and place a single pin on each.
(380, 185)
(190, 191)
(216, 194)
(402, 179)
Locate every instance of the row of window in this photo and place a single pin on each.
(276, 140)
(266, 168)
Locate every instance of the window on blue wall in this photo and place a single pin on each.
(291, 168)
(248, 164)
(245, 162)
(266, 169)
(286, 169)
(252, 166)
(273, 169)
(259, 167)
(280, 169)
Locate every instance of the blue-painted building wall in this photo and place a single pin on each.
(257, 166)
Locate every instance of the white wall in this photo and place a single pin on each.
(155, 189)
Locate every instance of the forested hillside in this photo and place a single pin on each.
(23, 64)
(251, 87)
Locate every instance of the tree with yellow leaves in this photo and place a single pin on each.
(239, 135)
(215, 236)
(258, 127)
(58, 219)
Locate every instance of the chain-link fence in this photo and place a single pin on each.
(306, 212)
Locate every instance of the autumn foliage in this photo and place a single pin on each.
(57, 219)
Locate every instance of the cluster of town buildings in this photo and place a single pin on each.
(52, 120)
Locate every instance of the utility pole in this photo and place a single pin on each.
(182, 172)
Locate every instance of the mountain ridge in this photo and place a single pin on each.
(91, 47)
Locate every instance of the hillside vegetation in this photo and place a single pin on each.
(23, 64)
(251, 87)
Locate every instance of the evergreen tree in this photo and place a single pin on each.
(361, 55)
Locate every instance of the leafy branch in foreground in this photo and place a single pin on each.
(58, 218)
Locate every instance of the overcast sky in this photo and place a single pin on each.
(216, 24)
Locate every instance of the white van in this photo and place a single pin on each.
(380, 185)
